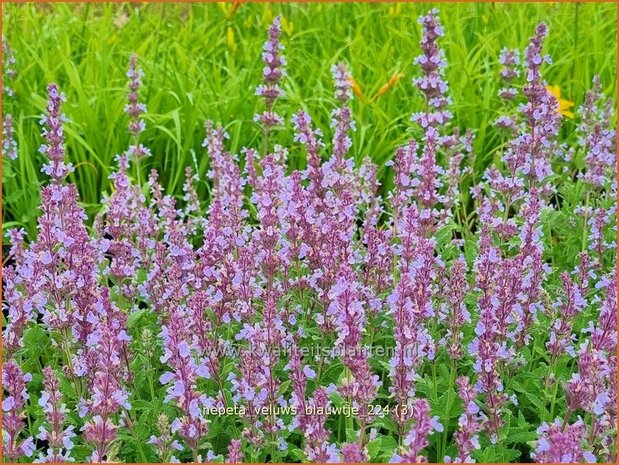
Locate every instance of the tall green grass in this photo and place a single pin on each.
(193, 72)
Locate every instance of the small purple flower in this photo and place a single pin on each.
(165, 444)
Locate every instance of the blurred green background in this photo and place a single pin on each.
(203, 61)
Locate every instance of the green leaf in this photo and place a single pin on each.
(135, 316)
(517, 435)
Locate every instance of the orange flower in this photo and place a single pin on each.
(393, 80)
(564, 105)
(235, 6)
(356, 88)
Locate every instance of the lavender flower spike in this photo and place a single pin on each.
(431, 83)
(235, 453)
(272, 73)
(510, 59)
(343, 82)
(54, 136)
(417, 438)
(469, 423)
(9, 144)
(559, 443)
(57, 436)
(13, 405)
(135, 109)
(341, 117)
(8, 63)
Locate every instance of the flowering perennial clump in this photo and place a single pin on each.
(301, 315)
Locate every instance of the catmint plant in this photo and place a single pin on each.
(311, 312)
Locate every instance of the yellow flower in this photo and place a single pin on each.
(395, 10)
(267, 16)
(564, 105)
(287, 26)
(231, 40)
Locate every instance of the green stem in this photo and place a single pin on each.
(151, 382)
(349, 420)
(139, 174)
(137, 439)
(434, 383)
(554, 399)
(584, 224)
(452, 378)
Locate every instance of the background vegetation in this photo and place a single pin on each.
(203, 61)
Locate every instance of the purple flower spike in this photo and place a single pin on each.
(13, 414)
(235, 454)
(353, 453)
(348, 312)
(59, 438)
(454, 311)
(432, 83)
(135, 109)
(309, 137)
(469, 423)
(53, 134)
(597, 136)
(8, 67)
(317, 447)
(417, 438)
(272, 73)
(559, 443)
(105, 361)
(510, 59)
(529, 154)
(343, 82)
(9, 144)
(182, 380)
(561, 337)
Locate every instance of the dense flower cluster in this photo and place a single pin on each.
(297, 315)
